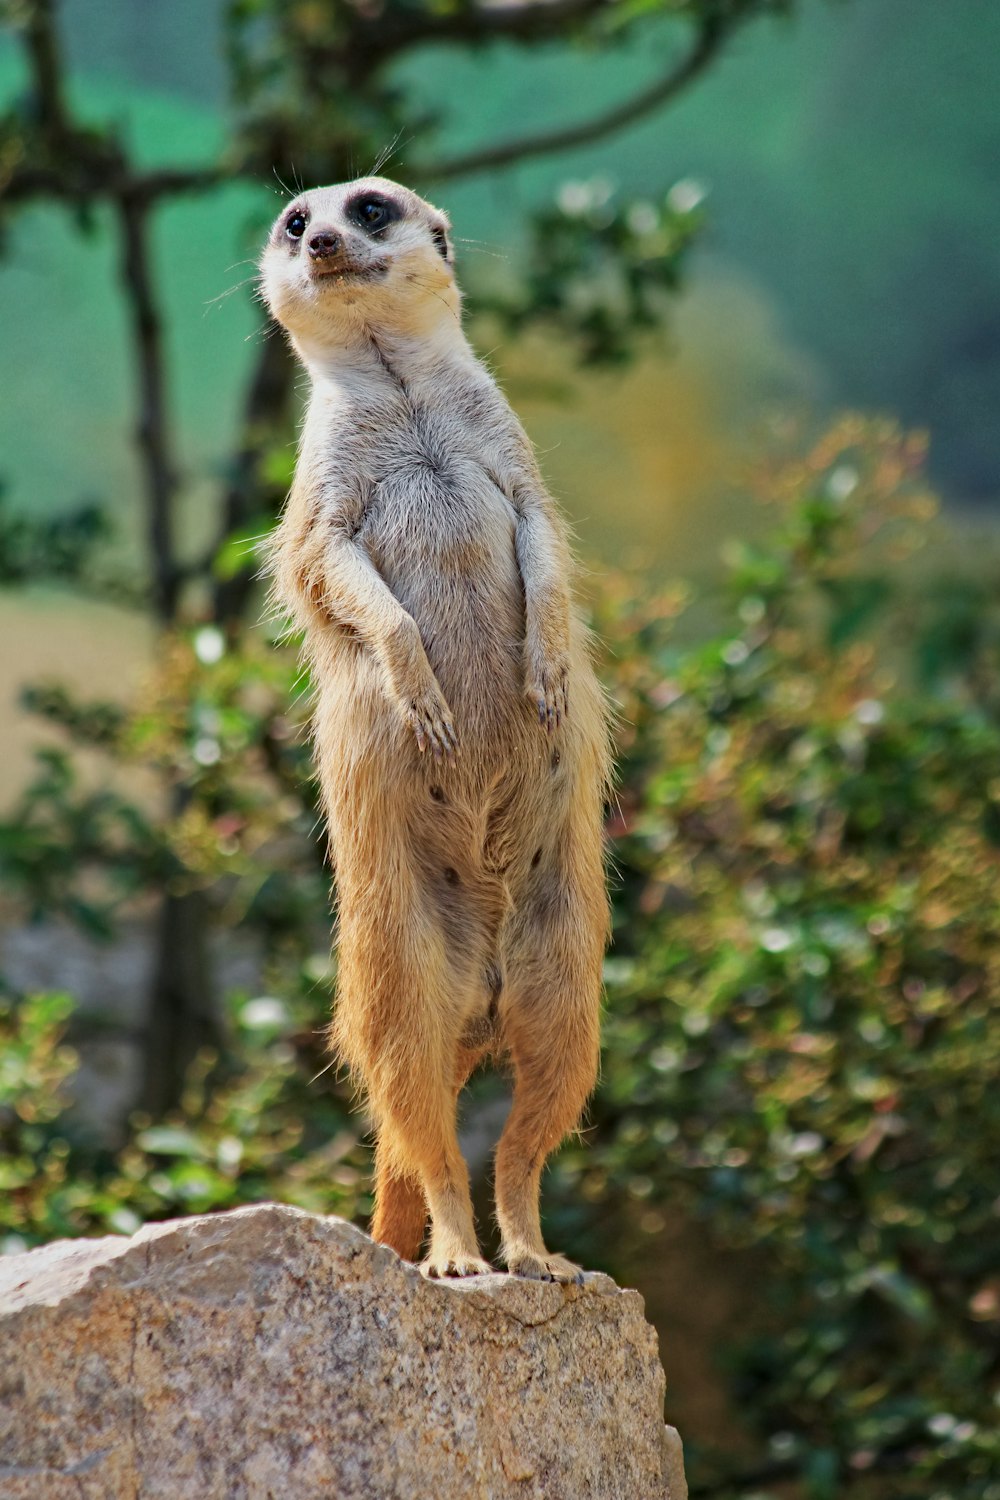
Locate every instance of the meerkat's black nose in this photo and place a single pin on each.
(323, 244)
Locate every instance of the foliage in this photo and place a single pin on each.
(802, 1038)
(600, 270)
(57, 547)
(34, 1067)
(215, 719)
(250, 1126)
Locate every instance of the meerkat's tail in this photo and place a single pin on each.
(400, 1218)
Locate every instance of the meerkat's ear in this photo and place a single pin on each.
(440, 228)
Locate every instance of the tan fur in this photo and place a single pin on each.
(431, 573)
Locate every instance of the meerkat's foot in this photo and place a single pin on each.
(544, 1267)
(441, 1265)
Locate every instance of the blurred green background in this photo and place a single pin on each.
(850, 257)
(797, 1135)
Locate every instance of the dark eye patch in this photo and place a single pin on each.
(440, 238)
(373, 212)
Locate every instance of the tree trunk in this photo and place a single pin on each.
(182, 1018)
(249, 494)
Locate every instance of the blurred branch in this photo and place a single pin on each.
(46, 66)
(90, 167)
(159, 472)
(63, 160)
(78, 164)
(170, 181)
(246, 495)
(710, 38)
(382, 33)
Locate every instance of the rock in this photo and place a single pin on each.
(269, 1354)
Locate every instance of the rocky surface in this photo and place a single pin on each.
(268, 1354)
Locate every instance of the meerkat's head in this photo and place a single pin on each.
(365, 253)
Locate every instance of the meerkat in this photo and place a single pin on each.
(461, 736)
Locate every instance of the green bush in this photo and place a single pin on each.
(803, 1039)
(252, 1126)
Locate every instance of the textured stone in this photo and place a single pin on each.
(268, 1354)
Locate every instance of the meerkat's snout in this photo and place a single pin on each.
(324, 245)
(329, 253)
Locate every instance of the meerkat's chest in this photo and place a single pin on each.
(430, 484)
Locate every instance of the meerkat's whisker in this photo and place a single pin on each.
(229, 291)
(261, 333)
(452, 311)
(282, 184)
(482, 247)
(387, 153)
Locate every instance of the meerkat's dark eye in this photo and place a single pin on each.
(372, 213)
(440, 239)
(295, 228)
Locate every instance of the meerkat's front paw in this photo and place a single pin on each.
(416, 691)
(547, 687)
(429, 718)
(544, 1267)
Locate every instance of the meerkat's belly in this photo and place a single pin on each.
(442, 537)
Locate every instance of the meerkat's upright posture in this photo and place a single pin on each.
(461, 735)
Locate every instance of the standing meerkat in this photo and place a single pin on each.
(461, 736)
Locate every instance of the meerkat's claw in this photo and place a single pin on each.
(545, 1267)
(548, 691)
(435, 1268)
(432, 730)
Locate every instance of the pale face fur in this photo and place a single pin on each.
(461, 735)
(389, 267)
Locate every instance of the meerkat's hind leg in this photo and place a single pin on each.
(417, 1133)
(419, 1145)
(551, 1026)
(553, 1041)
(546, 1108)
(454, 1248)
(440, 1261)
(392, 1026)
